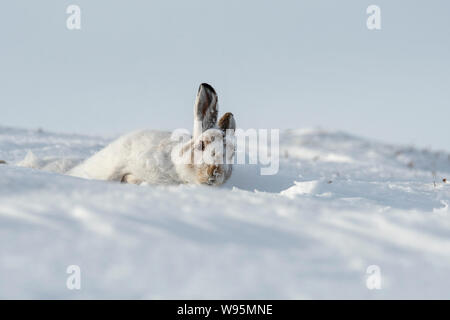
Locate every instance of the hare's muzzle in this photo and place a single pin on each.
(214, 173)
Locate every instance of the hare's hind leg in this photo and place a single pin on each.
(130, 178)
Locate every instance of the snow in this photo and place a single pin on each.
(338, 205)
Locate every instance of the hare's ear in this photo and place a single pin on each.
(227, 122)
(205, 109)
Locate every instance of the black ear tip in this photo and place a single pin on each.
(207, 87)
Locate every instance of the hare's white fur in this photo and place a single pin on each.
(154, 156)
(144, 154)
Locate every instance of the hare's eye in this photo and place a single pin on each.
(201, 146)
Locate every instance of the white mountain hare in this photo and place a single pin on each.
(157, 157)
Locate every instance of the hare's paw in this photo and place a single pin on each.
(130, 178)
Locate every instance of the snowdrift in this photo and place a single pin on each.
(338, 205)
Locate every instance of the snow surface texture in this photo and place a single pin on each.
(338, 205)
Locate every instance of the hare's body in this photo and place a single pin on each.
(142, 155)
(156, 157)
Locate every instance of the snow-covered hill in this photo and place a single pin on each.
(338, 205)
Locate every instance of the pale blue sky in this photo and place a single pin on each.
(275, 64)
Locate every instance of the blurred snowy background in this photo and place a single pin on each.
(289, 64)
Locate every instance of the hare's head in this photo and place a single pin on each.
(207, 158)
